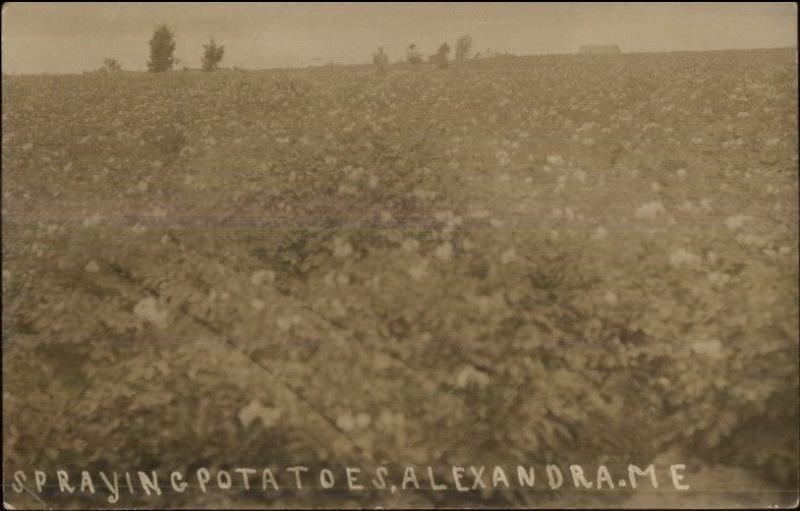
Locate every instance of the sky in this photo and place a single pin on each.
(76, 37)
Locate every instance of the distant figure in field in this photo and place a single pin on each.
(413, 56)
(381, 61)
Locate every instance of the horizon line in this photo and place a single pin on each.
(331, 63)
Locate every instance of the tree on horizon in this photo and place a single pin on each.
(463, 47)
(440, 57)
(111, 65)
(162, 47)
(212, 56)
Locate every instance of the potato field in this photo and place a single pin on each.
(518, 261)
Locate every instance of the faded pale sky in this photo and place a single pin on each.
(74, 37)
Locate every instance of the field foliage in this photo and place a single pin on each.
(583, 259)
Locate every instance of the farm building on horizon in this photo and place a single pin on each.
(594, 49)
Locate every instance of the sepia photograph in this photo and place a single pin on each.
(523, 255)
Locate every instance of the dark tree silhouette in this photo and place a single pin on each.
(440, 57)
(111, 66)
(212, 56)
(463, 47)
(162, 46)
(413, 56)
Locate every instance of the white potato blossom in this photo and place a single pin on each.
(341, 248)
(711, 348)
(345, 189)
(147, 309)
(346, 422)
(444, 252)
(256, 411)
(752, 240)
(736, 221)
(600, 233)
(719, 278)
(93, 220)
(391, 420)
(423, 194)
(262, 276)
(285, 323)
(682, 257)
(469, 375)
(650, 210)
(610, 297)
(363, 420)
(410, 245)
(509, 256)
